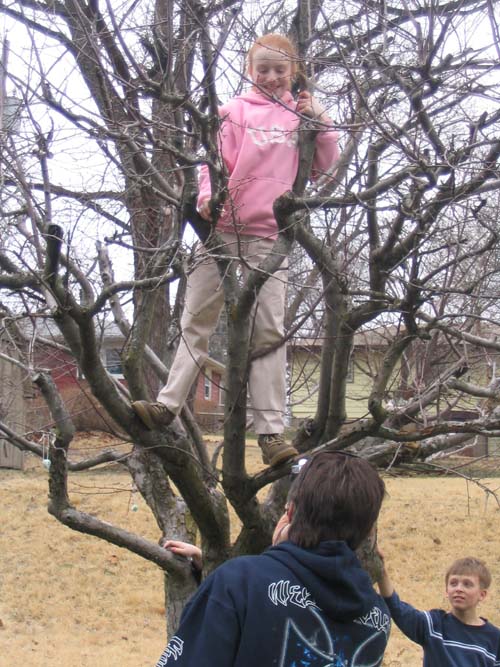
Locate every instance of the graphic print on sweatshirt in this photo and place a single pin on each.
(308, 642)
(283, 593)
(261, 136)
(173, 650)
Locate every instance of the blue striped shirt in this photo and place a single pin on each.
(447, 642)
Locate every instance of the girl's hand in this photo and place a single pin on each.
(309, 106)
(189, 551)
(204, 211)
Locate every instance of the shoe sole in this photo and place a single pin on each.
(143, 415)
(283, 456)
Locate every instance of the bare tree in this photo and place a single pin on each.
(99, 187)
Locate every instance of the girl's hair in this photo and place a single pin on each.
(279, 43)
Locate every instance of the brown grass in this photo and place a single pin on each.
(67, 598)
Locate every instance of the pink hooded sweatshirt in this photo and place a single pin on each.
(258, 143)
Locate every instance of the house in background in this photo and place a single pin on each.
(207, 396)
(418, 367)
(304, 359)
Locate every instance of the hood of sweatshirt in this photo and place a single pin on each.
(256, 97)
(332, 574)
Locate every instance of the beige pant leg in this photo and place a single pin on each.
(267, 381)
(204, 301)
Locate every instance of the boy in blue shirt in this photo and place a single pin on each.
(460, 637)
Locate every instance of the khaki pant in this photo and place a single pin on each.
(204, 302)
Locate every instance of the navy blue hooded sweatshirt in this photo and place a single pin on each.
(288, 607)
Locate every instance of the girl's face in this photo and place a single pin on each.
(271, 71)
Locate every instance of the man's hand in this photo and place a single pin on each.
(281, 531)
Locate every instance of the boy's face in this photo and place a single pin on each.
(271, 70)
(464, 592)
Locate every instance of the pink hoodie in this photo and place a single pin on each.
(258, 141)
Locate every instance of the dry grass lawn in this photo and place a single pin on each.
(69, 599)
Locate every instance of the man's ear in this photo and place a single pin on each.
(483, 593)
(290, 511)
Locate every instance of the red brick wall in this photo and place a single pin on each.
(212, 405)
(62, 366)
(86, 410)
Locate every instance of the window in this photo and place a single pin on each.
(350, 371)
(222, 393)
(113, 362)
(207, 387)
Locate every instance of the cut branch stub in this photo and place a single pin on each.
(54, 238)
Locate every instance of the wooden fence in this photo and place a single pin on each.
(12, 412)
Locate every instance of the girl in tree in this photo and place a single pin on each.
(258, 144)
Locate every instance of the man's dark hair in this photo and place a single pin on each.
(335, 497)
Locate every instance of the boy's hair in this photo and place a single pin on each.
(336, 497)
(279, 43)
(470, 565)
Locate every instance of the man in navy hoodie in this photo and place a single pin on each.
(305, 602)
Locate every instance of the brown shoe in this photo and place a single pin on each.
(275, 449)
(153, 415)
